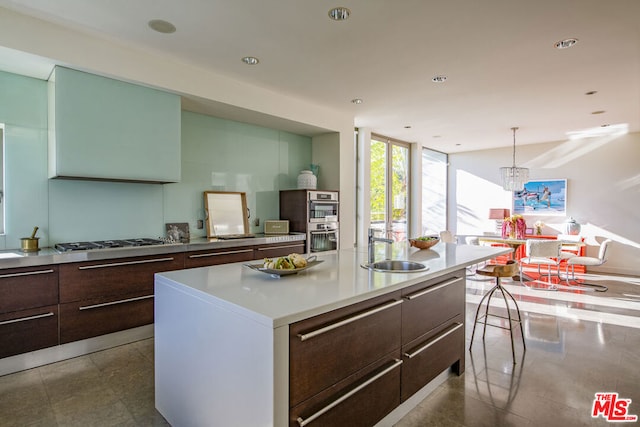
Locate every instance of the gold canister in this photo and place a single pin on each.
(30, 244)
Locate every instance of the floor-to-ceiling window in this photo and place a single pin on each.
(434, 191)
(389, 197)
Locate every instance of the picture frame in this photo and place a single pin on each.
(226, 213)
(178, 231)
(541, 197)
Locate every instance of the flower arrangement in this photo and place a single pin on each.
(514, 227)
(538, 225)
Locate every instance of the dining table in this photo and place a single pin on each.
(518, 253)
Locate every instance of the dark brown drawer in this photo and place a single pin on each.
(218, 256)
(28, 330)
(426, 357)
(325, 349)
(429, 305)
(88, 280)
(273, 251)
(23, 288)
(362, 399)
(90, 318)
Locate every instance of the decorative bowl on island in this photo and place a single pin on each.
(424, 242)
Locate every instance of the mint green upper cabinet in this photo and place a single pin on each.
(100, 128)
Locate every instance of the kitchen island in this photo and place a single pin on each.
(336, 343)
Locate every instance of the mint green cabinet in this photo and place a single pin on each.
(101, 128)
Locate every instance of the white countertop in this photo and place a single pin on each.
(15, 258)
(336, 282)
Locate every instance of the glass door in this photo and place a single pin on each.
(389, 198)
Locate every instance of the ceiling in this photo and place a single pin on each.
(498, 56)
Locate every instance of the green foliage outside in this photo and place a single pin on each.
(378, 181)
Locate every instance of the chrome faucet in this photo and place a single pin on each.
(372, 241)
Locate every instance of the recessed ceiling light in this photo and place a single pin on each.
(161, 26)
(250, 60)
(436, 136)
(439, 79)
(339, 13)
(565, 44)
(356, 101)
(591, 92)
(598, 112)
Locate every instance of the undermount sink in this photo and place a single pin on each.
(396, 266)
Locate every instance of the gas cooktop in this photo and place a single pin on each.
(106, 244)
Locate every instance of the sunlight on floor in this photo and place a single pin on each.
(620, 305)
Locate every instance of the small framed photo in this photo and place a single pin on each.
(178, 231)
(528, 231)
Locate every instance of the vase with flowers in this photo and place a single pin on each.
(538, 225)
(514, 227)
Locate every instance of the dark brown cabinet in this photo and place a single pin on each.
(218, 256)
(362, 399)
(432, 330)
(107, 296)
(279, 249)
(332, 355)
(28, 309)
(354, 365)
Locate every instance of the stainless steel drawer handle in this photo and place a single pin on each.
(24, 319)
(303, 422)
(220, 253)
(28, 273)
(280, 247)
(304, 337)
(433, 288)
(120, 264)
(430, 343)
(122, 301)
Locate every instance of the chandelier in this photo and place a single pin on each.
(514, 178)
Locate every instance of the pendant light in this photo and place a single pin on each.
(514, 178)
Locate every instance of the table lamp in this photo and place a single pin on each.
(499, 214)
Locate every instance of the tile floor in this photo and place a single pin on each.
(578, 343)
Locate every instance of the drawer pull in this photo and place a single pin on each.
(28, 273)
(122, 301)
(220, 253)
(280, 247)
(120, 264)
(433, 288)
(303, 422)
(24, 319)
(304, 337)
(430, 343)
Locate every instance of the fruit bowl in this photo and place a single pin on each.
(424, 242)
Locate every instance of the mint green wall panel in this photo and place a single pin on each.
(92, 210)
(296, 156)
(109, 129)
(26, 193)
(222, 155)
(23, 101)
(23, 110)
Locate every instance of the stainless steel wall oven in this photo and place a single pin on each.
(314, 212)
